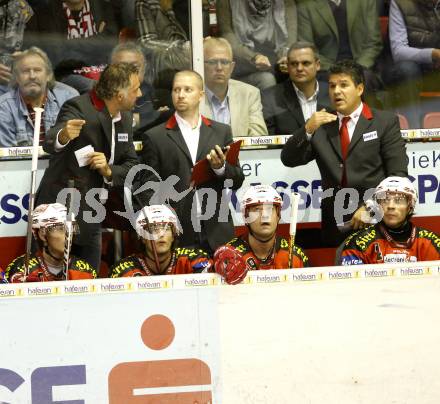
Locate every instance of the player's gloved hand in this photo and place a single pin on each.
(229, 263)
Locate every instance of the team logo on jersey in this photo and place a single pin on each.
(201, 266)
(351, 260)
(250, 262)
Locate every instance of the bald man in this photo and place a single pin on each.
(174, 147)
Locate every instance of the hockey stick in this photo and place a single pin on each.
(152, 242)
(294, 201)
(35, 144)
(70, 218)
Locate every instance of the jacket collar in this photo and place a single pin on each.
(366, 112)
(97, 102)
(172, 122)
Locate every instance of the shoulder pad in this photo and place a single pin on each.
(17, 265)
(362, 239)
(239, 244)
(282, 244)
(299, 252)
(125, 264)
(191, 253)
(80, 265)
(429, 235)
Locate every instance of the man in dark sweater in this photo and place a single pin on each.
(342, 29)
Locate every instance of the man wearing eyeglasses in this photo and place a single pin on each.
(395, 239)
(228, 101)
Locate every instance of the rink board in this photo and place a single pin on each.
(363, 335)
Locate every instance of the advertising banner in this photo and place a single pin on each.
(296, 336)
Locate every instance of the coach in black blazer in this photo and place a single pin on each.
(376, 149)
(281, 108)
(87, 121)
(167, 152)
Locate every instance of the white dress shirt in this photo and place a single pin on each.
(308, 105)
(191, 136)
(354, 118)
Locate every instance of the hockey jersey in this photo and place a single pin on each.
(277, 259)
(39, 272)
(183, 261)
(374, 245)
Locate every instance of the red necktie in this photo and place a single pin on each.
(345, 143)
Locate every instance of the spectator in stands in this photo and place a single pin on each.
(33, 85)
(342, 29)
(395, 239)
(260, 33)
(229, 101)
(13, 18)
(47, 264)
(100, 121)
(124, 13)
(144, 113)
(288, 105)
(163, 38)
(157, 226)
(260, 248)
(77, 33)
(415, 46)
(354, 150)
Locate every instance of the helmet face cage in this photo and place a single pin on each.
(58, 226)
(149, 230)
(260, 195)
(50, 217)
(400, 185)
(156, 218)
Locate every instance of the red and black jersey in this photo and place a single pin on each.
(374, 245)
(183, 261)
(3, 276)
(277, 259)
(39, 272)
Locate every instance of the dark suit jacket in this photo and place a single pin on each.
(282, 110)
(165, 150)
(97, 132)
(369, 160)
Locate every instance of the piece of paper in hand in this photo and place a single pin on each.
(83, 155)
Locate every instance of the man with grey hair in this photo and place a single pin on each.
(229, 101)
(92, 143)
(33, 85)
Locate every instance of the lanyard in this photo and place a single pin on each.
(168, 271)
